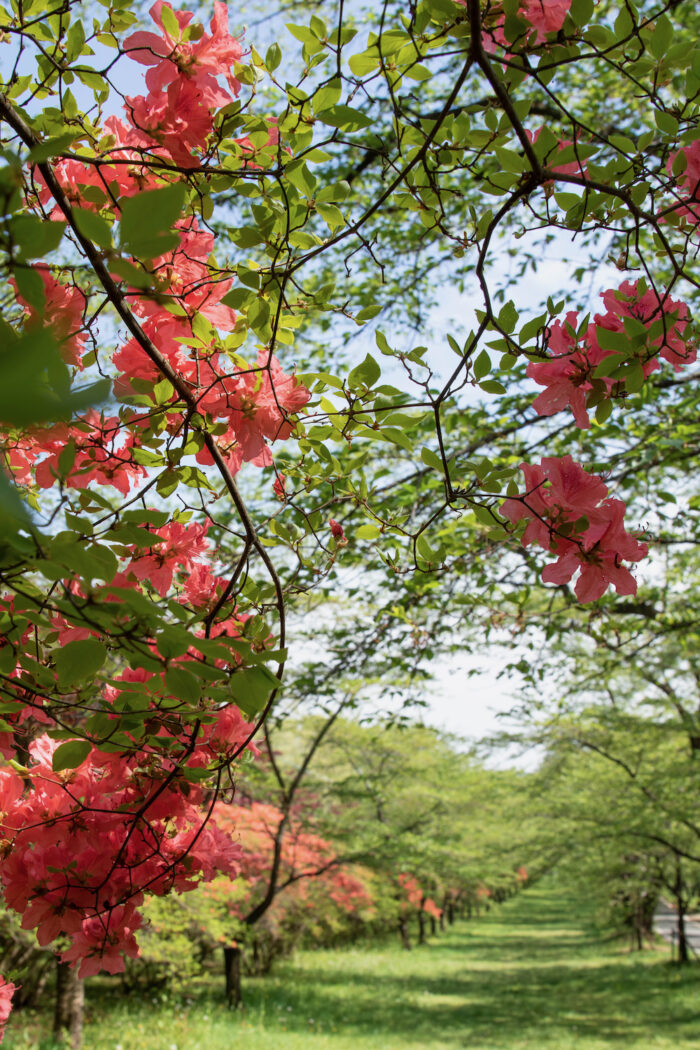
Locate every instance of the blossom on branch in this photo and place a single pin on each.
(646, 327)
(200, 57)
(569, 514)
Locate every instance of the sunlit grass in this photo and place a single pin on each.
(531, 975)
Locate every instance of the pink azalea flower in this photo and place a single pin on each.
(63, 315)
(689, 179)
(545, 16)
(569, 514)
(7, 990)
(201, 60)
(569, 374)
(175, 549)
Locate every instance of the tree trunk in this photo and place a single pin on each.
(683, 953)
(638, 928)
(403, 933)
(433, 926)
(450, 913)
(232, 972)
(68, 1011)
(421, 927)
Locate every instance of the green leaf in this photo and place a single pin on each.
(582, 11)
(78, 661)
(173, 641)
(89, 561)
(238, 298)
(365, 62)
(380, 340)
(13, 512)
(148, 218)
(183, 684)
(35, 237)
(609, 365)
(8, 659)
(431, 459)
(252, 687)
(51, 147)
(75, 40)
(666, 122)
(93, 226)
(365, 374)
(531, 328)
(302, 33)
(508, 317)
(247, 236)
(661, 38)
(273, 57)
(35, 382)
(170, 22)
(367, 532)
(425, 551)
(612, 340)
(680, 163)
(31, 287)
(344, 117)
(93, 80)
(395, 436)
(133, 274)
(482, 365)
(368, 313)
(335, 193)
(327, 96)
(634, 377)
(624, 23)
(70, 755)
(603, 411)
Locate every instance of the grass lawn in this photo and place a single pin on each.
(531, 975)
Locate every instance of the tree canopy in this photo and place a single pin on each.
(229, 425)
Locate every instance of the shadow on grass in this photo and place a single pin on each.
(533, 972)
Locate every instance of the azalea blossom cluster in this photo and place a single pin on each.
(568, 510)
(570, 514)
(545, 17)
(412, 896)
(183, 79)
(305, 856)
(82, 846)
(173, 122)
(654, 328)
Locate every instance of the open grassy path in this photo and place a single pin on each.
(531, 975)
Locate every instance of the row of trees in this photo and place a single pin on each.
(616, 707)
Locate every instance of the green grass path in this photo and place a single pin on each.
(531, 975)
